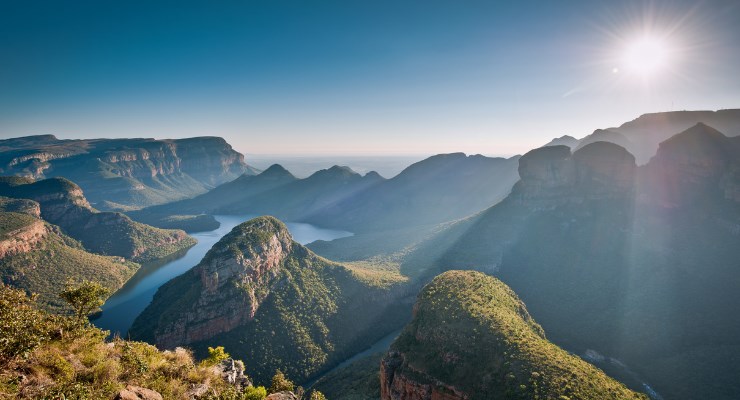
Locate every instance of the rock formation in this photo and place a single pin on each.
(260, 294)
(62, 203)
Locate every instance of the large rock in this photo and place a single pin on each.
(138, 393)
(552, 175)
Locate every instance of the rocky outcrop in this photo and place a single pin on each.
(22, 240)
(62, 203)
(232, 280)
(138, 393)
(552, 175)
(23, 206)
(697, 162)
(396, 385)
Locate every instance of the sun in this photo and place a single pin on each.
(645, 56)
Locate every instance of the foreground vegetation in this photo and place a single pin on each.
(46, 356)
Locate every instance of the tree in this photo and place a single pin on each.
(22, 326)
(280, 383)
(216, 355)
(316, 395)
(84, 298)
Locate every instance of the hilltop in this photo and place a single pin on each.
(472, 338)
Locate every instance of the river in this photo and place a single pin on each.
(121, 309)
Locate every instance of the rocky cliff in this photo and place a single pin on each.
(259, 293)
(126, 173)
(472, 338)
(63, 203)
(552, 175)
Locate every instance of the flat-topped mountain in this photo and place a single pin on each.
(260, 294)
(472, 338)
(119, 174)
(63, 203)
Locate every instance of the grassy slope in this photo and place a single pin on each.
(73, 362)
(57, 258)
(472, 332)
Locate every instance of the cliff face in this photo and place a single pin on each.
(260, 294)
(61, 202)
(552, 176)
(692, 165)
(472, 338)
(126, 173)
(233, 280)
(23, 239)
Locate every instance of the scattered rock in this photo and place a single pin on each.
(138, 393)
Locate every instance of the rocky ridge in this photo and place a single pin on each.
(63, 203)
(126, 173)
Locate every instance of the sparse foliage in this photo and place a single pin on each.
(84, 298)
(215, 356)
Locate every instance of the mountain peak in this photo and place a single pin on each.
(275, 170)
(335, 172)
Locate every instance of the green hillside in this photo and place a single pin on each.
(53, 260)
(270, 300)
(471, 335)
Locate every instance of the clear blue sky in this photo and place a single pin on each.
(357, 77)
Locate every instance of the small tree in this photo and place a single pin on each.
(216, 355)
(280, 383)
(84, 298)
(316, 395)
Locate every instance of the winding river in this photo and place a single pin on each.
(121, 309)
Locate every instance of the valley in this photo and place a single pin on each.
(120, 310)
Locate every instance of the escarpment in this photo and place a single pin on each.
(124, 174)
(63, 203)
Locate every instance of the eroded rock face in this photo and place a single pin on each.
(62, 203)
(23, 240)
(232, 280)
(396, 385)
(552, 175)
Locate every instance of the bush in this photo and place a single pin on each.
(280, 383)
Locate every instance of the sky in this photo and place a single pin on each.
(360, 77)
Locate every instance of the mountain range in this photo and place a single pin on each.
(623, 245)
(124, 174)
